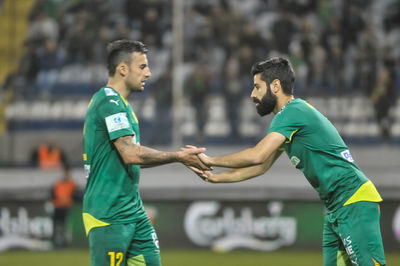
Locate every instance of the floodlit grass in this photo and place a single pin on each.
(178, 258)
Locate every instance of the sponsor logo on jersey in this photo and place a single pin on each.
(115, 101)
(346, 155)
(110, 92)
(210, 224)
(116, 122)
(295, 160)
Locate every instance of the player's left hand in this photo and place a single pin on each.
(205, 175)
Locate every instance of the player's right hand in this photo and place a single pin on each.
(189, 157)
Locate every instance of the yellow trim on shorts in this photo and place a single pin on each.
(342, 259)
(367, 192)
(90, 222)
(136, 261)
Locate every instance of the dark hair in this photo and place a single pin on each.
(276, 68)
(121, 51)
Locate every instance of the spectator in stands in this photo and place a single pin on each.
(162, 93)
(25, 84)
(49, 62)
(49, 156)
(283, 30)
(366, 60)
(197, 89)
(297, 58)
(384, 95)
(233, 92)
(352, 24)
(151, 27)
(80, 38)
(41, 26)
(62, 198)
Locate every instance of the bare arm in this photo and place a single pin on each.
(241, 174)
(249, 157)
(148, 157)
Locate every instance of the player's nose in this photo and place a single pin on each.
(252, 95)
(147, 73)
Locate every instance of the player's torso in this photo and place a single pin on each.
(317, 149)
(112, 186)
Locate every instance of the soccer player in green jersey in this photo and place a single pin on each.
(119, 230)
(351, 233)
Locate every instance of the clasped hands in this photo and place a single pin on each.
(195, 159)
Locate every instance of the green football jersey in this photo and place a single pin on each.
(111, 194)
(315, 147)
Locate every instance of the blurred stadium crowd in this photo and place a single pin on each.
(346, 55)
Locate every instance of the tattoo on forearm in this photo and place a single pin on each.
(145, 155)
(151, 156)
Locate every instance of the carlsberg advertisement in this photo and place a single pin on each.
(195, 224)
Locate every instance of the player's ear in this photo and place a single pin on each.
(275, 85)
(122, 69)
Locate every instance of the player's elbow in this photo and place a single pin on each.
(131, 158)
(257, 159)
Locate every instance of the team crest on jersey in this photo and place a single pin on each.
(295, 160)
(110, 92)
(117, 122)
(346, 154)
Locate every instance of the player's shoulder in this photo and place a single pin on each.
(106, 95)
(294, 110)
(290, 107)
(298, 105)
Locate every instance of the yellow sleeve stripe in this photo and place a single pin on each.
(309, 105)
(85, 157)
(134, 116)
(367, 192)
(291, 136)
(126, 103)
(90, 222)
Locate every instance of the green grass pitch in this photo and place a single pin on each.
(76, 257)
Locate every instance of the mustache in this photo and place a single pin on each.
(255, 100)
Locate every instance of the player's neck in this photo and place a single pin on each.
(119, 86)
(282, 102)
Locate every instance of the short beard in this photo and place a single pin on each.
(267, 104)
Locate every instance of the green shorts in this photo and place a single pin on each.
(133, 244)
(352, 236)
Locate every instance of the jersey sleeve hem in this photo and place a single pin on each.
(121, 133)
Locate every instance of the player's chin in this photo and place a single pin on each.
(139, 89)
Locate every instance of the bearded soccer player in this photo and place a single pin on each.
(119, 230)
(351, 233)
